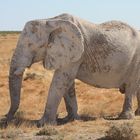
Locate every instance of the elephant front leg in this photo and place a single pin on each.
(62, 81)
(127, 112)
(71, 104)
(137, 112)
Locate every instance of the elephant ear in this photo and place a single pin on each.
(65, 44)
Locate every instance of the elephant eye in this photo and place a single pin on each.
(30, 44)
(42, 46)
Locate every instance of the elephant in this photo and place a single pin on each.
(103, 55)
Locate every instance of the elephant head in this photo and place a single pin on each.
(55, 42)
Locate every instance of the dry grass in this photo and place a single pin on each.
(123, 131)
(94, 103)
(10, 134)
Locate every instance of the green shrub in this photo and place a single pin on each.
(4, 33)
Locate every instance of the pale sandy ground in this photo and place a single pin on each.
(93, 103)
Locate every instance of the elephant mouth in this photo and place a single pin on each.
(30, 64)
(32, 61)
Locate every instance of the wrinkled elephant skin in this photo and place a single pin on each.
(103, 55)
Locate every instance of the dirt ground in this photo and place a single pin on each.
(94, 105)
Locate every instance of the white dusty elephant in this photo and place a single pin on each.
(104, 55)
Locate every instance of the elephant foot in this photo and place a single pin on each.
(43, 121)
(137, 112)
(7, 118)
(68, 118)
(4, 121)
(126, 115)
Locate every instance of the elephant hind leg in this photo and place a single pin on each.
(127, 112)
(137, 112)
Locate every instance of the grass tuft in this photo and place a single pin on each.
(47, 131)
(50, 133)
(123, 131)
(10, 134)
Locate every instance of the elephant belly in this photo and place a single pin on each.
(110, 75)
(100, 80)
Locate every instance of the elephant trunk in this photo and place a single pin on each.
(17, 68)
(15, 89)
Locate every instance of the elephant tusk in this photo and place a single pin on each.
(19, 72)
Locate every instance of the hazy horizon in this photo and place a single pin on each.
(14, 14)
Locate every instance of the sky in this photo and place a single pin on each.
(15, 13)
